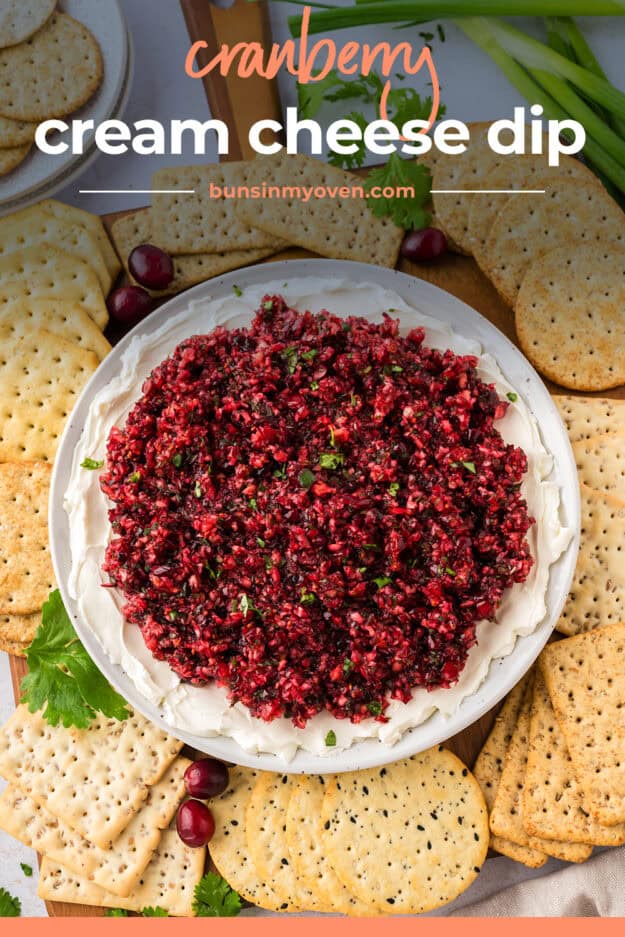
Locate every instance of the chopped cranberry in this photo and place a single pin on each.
(314, 513)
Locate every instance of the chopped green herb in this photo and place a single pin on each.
(177, 459)
(354, 400)
(382, 581)
(331, 460)
(268, 563)
(370, 546)
(115, 912)
(393, 489)
(173, 615)
(450, 572)
(291, 357)
(440, 29)
(260, 542)
(92, 464)
(331, 739)
(135, 477)
(375, 708)
(348, 665)
(253, 504)
(26, 869)
(332, 439)
(62, 679)
(244, 604)
(268, 305)
(215, 898)
(280, 473)
(154, 912)
(237, 290)
(306, 478)
(309, 355)
(307, 598)
(314, 385)
(470, 467)
(198, 490)
(512, 397)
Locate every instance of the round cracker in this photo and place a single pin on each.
(569, 315)
(15, 133)
(265, 825)
(304, 830)
(520, 172)
(229, 849)
(19, 19)
(410, 837)
(52, 74)
(12, 157)
(570, 212)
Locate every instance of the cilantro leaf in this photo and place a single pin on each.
(26, 869)
(406, 211)
(215, 898)
(92, 464)
(352, 160)
(331, 460)
(306, 478)
(116, 912)
(9, 906)
(330, 739)
(154, 912)
(62, 678)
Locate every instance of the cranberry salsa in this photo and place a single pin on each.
(314, 513)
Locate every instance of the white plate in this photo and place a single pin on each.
(39, 176)
(505, 672)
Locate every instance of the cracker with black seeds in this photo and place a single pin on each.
(409, 837)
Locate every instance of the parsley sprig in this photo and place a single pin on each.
(215, 898)
(62, 680)
(9, 906)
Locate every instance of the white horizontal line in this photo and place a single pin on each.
(136, 191)
(488, 191)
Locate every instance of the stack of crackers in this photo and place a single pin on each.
(552, 769)
(50, 65)
(208, 236)
(98, 804)
(56, 268)
(557, 258)
(402, 839)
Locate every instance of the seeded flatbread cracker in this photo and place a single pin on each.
(341, 228)
(600, 463)
(489, 766)
(569, 314)
(409, 837)
(530, 171)
(136, 228)
(585, 676)
(41, 377)
(19, 19)
(92, 223)
(116, 869)
(52, 74)
(67, 320)
(571, 213)
(17, 631)
(199, 223)
(95, 780)
(553, 801)
(26, 576)
(585, 417)
(169, 882)
(228, 847)
(33, 226)
(15, 133)
(265, 828)
(12, 157)
(304, 830)
(46, 272)
(597, 595)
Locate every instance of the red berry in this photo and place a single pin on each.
(427, 244)
(130, 304)
(206, 778)
(151, 267)
(195, 824)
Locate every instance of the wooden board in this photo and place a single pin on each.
(239, 103)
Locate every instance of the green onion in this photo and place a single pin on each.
(92, 464)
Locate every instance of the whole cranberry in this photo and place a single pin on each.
(206, 778)
(129, 304)
(427, 244)
(195, 824)
(151, 267)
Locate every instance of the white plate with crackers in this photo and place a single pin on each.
(97, 53)
(503, 673)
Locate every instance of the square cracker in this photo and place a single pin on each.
(65, 319)
(18, 631)
(585, 417)
(46, 272)
(597, 595)
(95, 780)
(41, 377)
(26, 576)
(136, 228)
(506, 818)
(585, 676)
(341, 228)
(600, 463)
(33, 226)
(169, 882)
(117, 869)
(90, 222)
(553, 801)
(199, 224)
